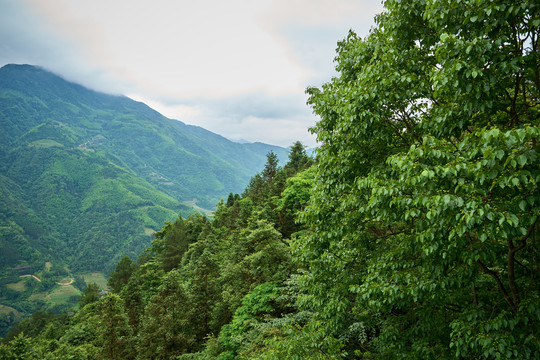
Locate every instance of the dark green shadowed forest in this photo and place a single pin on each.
(413, 234)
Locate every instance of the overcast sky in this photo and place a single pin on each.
(238, 68)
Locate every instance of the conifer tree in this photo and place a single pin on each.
(121, 274)
(89, 295)
(115, 334)
(165, 330)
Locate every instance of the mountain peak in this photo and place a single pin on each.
(20, 66)
(23, 68)
(82, 157)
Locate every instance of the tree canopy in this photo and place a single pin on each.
(413, 234)
(424, 217)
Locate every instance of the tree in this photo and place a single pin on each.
(89, 295)
(121, 274)
(36, 324)
(171, 244)
(263, 186)
(254, 255)
(424, 215)
(270, 168)
(298, 159)
(294, 199)
(242, 334)
(115, 334)
(173, 239)
(19, 348)
(165, 329)
(79, 283)
(203, 289)
(231, 199)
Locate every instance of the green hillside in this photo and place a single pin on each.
(87, 176)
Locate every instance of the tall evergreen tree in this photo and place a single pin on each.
(270, 168)
(298, 159)
(121, 274)
(115, 334)
(165, 329)
(89, 295)
(203, 287)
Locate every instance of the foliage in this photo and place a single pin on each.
(19, 348)
(89, 295)
(206, 288)
(307, 342)
(115, 335)
(165, 330)
(37, 323)
(86, 178)
(423, 220)
(412, 236)
(173, 239)
(121, 274)
(201, 271)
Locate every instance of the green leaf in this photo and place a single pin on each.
(522, 160)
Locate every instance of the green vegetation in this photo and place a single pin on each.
(60, 201)
(412, 236)
(50, 287)
(45, 143)
(86, 178)
(424, 216)
(204, 286)
(97, 278)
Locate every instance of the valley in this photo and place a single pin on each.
(87, 177)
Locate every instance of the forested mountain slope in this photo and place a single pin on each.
(413, 235)
(86, 176)
(205, 288)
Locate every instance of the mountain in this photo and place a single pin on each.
(86, 177)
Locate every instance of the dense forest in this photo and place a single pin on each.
(413, 234)
(88, 177)
(222, 276)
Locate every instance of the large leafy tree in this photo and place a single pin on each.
(424, 214)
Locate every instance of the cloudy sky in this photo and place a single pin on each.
(238, 67)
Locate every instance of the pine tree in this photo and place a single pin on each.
(165, 330)
(121, 274)
(115, 334)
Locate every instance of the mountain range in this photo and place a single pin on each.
(87, 177)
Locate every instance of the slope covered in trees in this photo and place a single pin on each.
(414, 236)
(87, 176)
(203, 289)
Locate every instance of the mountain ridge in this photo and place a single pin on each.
(77, 161)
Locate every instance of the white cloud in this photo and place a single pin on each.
(238, 68)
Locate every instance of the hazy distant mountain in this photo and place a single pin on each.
(86, 177)
(241, 141)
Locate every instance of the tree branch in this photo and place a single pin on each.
(502, 289)
(512, 250)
